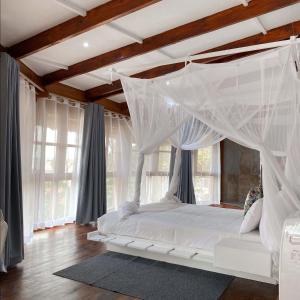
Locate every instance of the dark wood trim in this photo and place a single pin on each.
(32, 76)
(113, 106)
(276, 34)
(95, 17)
(213, 22)
(67, 91)
(227, 205)
(222, 169)
(2, 49)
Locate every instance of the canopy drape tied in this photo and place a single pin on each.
(174, 184)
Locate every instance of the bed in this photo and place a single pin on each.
(198, 236)
(184, 225)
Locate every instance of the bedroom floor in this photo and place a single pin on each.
(58, 248)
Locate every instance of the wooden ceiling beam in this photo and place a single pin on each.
(65, 90)
(113, 106)
(276, 34)
(213, 22)
(32, 76)
(97, 16)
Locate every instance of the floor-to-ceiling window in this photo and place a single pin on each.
(56, 160)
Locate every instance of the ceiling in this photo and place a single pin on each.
(21, 20)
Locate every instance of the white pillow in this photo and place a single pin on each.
(252, 217)
(127, 209)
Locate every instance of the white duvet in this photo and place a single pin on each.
(183, 225)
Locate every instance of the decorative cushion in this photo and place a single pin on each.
(252, 218)
(253, 195)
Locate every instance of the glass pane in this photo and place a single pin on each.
(63, 199)
(204, 160)
(38, 133)
(72, 138)
(109, 192)
(165, 147)
(51, 135)
(70, 159)
(164, 161)
(50, 159)
(202, 187)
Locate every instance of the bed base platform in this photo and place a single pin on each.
(230, 256)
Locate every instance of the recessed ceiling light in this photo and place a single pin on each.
(85, 44)
(168, 82)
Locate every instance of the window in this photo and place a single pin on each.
(158, 163)
(118, 150)
(56, 161)
(206, 174)
(155, 181)
(121, 164)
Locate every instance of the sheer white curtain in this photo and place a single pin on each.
(56, 160)
(155, 176)
(118, 148)
(27, 127)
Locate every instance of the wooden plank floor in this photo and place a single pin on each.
(61, 247)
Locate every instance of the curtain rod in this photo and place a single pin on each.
(116, 115)
(292, 40)
(31, 82)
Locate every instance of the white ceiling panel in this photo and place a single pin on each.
(21, 19)
(82, 82)
(281, 17)
(168, 14)
(37, 67)
(101, 39)
(118, 98)
(213, 39)
(133, 65)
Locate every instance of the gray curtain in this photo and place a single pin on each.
(10, 160)
(186, 187)
(92, 184)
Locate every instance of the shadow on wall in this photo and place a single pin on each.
(240, 171)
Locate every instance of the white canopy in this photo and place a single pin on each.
(254, 101)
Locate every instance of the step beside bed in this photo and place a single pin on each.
(231, 254)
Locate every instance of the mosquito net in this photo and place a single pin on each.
(254, 101)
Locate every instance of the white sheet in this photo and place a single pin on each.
(184, 225)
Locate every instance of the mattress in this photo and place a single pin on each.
(184, 225)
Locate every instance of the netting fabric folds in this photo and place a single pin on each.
(254, 101)
(192, 134)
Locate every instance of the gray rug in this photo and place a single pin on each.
(147, 279)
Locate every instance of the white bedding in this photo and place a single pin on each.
(184, 225)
